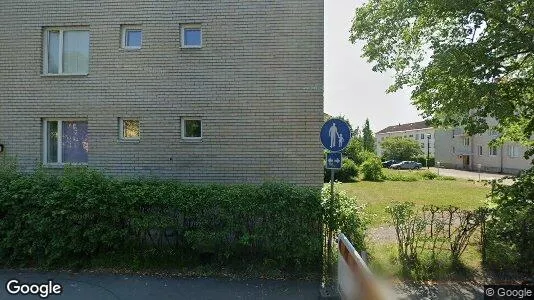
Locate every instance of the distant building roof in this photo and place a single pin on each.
(406, 127)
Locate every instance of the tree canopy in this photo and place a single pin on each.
(464, 60)
(400, 148)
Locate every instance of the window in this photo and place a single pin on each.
(66, 52)
(191, 36)
(129, 129)
(466, 141)
(480, 151)
(422, 136)
(191, 129)
(132, 37)
(65, 141)
(492, 150)
(513, 151)
(422, 145)
(411, 135)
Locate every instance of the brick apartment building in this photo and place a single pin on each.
(201, 91)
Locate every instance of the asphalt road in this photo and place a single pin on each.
(99, 286)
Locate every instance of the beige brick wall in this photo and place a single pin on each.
(256, 83)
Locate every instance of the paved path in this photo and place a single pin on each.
(467, 174)
(133, 287)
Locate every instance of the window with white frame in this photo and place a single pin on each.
(513, 151)
(132, 37)
(129, 129)
(191, 128)
(66, 51)
(480, 151)
(191, 36)
(422, 136)
(467, 141)
(422, 145)
(65, 141)
(493, 151)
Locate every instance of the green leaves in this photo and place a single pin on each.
(83, 215)
(464, 60)
(400, 148)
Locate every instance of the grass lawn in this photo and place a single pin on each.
(377, 195)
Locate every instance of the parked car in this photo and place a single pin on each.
(407, 165)
(388, 163)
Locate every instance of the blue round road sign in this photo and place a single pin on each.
(335, 135)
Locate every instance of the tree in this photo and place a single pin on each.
(400, 148)
(368, 138)
(464, 60)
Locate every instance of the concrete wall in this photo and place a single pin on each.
(256, 84)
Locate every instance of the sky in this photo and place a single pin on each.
(351, 88)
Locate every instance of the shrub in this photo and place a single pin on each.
(428, 175)
(372, 169)
(432, 228)
(81, 216)
(400, 176)
(343, 214)
(510, 230)
(347, 173)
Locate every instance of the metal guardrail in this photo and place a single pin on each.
(355, 280)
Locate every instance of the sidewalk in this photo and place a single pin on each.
(135, 287)
(468, 174)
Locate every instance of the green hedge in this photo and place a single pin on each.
(82, 215)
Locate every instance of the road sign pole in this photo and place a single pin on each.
(330, 236)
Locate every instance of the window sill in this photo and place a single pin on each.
(191, 47)
(65, 75)
(62, 165)
(192, 140)
(130, 49)
(132, 141)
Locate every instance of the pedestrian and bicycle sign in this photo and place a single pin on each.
(335, 135)
(333, 160)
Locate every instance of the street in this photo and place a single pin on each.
(135, 287)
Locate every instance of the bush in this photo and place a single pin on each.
(343, 214)
(347, 173)
(510, 230)
(400, 176)
(372, 169)
(428, 175)
(82, 216)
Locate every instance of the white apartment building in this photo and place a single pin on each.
(456, 149)
(421, 132)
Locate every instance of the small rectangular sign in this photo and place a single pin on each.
(333, 161)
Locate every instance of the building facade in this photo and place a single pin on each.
(456, 149)
(201, 91)
(421, 132)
